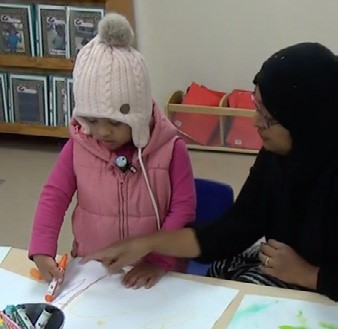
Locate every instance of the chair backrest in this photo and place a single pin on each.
(213, 199)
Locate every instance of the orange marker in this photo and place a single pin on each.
(54, 284)
(35, 273)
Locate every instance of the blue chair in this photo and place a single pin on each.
(213, 200)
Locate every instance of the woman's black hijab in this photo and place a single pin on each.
(299, 88)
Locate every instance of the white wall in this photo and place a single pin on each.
(222, 43)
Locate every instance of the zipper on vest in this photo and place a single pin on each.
(122, 219)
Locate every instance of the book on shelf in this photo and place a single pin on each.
(58, 101)
(29, 99)
(70, 99)
(16, 29)
(3, 98)
(52, 30)
(82, 27)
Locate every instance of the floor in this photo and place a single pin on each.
(26, 161)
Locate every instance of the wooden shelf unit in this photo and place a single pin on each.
(53, 65)
(33, 130)
(174, 104)
(39, 63)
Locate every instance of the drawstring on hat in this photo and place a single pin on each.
(145, 175)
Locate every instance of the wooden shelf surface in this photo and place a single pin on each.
(38, 63)
(33, 130)
(221, 149)
(61, 2)
(210, 110)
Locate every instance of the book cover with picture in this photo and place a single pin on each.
(4, 117)
(52, 30)
(16, 30)
(70, 99)
(59, 103)
(29, 99)
(82, 27)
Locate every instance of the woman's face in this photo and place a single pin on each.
(275, 137)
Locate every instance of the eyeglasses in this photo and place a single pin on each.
(265, 121)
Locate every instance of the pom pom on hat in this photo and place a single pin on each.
(115, 30)
(111, 80)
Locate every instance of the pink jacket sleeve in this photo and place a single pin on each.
(183, 200)
(54, 200)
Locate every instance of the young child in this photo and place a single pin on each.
(13, 39)
(131, 172)
(59, 40)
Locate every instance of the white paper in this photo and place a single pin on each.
(172, 303)
(92, 299)
(16, 289)
(262, 312)
(3, 253)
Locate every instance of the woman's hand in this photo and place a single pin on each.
(121, 254)
(284, 263)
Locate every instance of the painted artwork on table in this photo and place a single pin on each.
(262, 312)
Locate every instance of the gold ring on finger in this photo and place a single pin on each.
(266, 262)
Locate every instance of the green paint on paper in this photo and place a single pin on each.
(327, 325)
(291, 327)
(253, 309)
(303, 322)
(301, 319)
(322, 325)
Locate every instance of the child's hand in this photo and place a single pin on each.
(47, 267)
(143, 274)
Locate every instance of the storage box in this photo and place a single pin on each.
(225, 119)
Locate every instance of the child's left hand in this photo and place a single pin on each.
(143, 274)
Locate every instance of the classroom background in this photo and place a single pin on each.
(219, 43)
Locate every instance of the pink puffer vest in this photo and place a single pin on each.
(113, 205)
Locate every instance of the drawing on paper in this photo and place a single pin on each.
(264, 312)
(78, 278)
(92, 299)
(128, 301)
(172, 303)
(172, 321)
(85, 284)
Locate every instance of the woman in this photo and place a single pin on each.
(291, 194)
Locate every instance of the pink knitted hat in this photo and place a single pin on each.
(111, 80)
